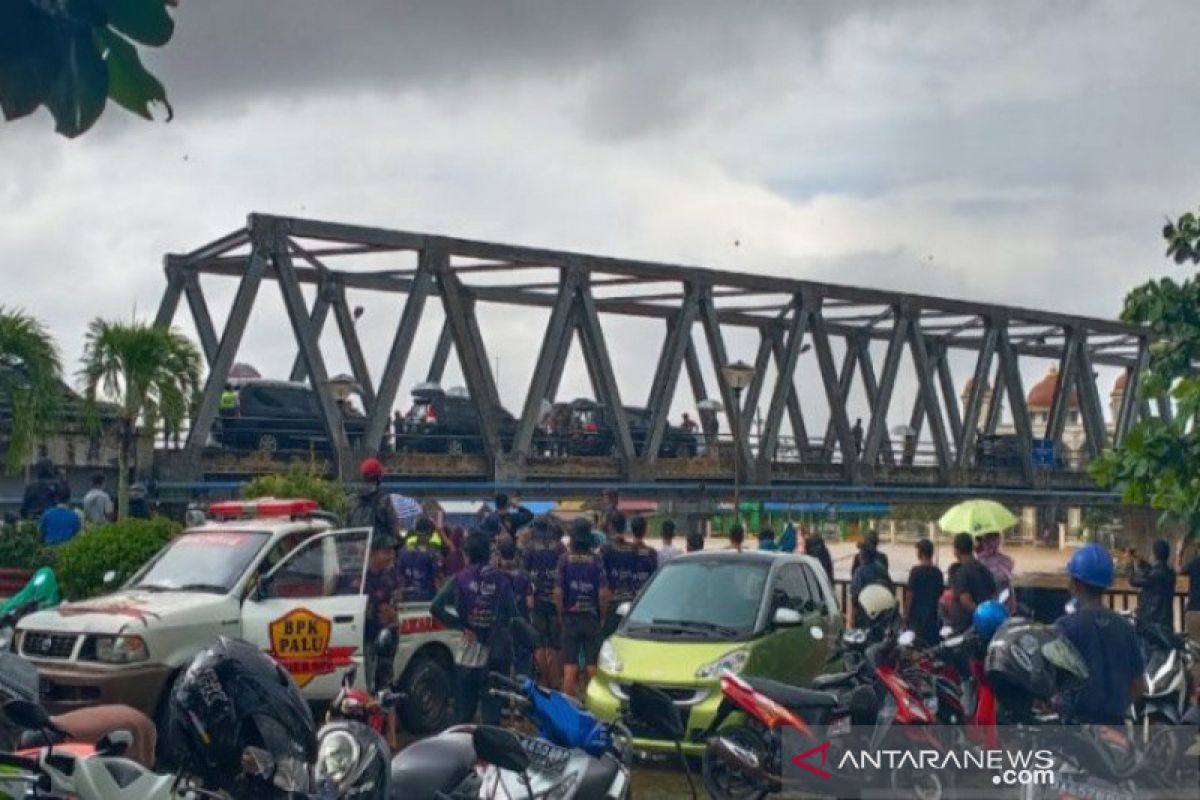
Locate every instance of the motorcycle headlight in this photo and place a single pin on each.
(609, 661)
(336, 756)
(121, 649)
(733, 661)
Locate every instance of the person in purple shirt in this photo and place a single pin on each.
(582, 597)
(645, 557)
(522, 588)
(479, 602)
(619, 565)
(419, 565)
(540, 560)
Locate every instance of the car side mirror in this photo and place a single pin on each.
(786, 617)
(110, 577)
(114, 744)
(624, 608)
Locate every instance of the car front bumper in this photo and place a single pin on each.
(66, 687)
(698, 712)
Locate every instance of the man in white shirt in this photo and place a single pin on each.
(667, 550)
(97, 504)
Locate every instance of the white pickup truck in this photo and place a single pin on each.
(282, 579)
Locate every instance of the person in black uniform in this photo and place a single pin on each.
(541, 560)
(582, 598)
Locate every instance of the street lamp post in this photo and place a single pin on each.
(738, 376)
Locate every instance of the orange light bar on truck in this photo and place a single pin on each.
(263, 507)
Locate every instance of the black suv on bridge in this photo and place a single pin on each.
(278, 415)
(448, 422)
(584, 427)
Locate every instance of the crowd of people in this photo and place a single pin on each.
(47, 501)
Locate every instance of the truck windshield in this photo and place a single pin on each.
(204, 561)
(710, 599)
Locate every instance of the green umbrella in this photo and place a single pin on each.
(977, 517)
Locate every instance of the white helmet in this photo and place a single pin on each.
(876, 601)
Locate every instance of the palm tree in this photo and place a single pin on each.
(151, 373)
(30, 381)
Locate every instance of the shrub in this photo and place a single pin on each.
(21, 547)
(301, 481)
(119, 546)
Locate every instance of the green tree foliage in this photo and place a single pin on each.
(122, 547)
(21, 547)
(1159, 462)
(72, 56)
(30, 382)
(301, 481)
(151, 373)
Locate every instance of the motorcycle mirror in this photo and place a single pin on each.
(386, 644)
(1004, 595)
(114, 743)
(816, 632)
(906, 639)
(110, 577)
(501, 748)
(350, 676)
(946, 632)
(786, 617)
(623, 609)
(26, 715)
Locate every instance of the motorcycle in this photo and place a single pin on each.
(573, 756)
(41, 592)
(1169, 660)
(102, 772)
(745, 760)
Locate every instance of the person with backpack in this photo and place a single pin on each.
(479, 602)
(371, 507)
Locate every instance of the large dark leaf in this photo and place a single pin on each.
(145, 21)
(31, 56)
(79, 94)
(129, 83)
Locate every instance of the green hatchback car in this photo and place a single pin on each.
(758, 613)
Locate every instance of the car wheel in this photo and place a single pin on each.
(429, 696)
(722, 780)
(268, 443)
(454, 447)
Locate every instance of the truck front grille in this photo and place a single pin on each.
(48, 645)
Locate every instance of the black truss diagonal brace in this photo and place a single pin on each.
(1065, 391)
(845, 381)
(949, 397)
(605, 380)
(867, 368)
(552, 353)
(389, 382)
(829, 379)
(1090, 410)
(1010, 377)
(785, 384)
(926, 368)
(666, 377)
(1128, 410)
(762, 360)
(354, 351)
(720, 357)
(877, 430)
(473, 358)
(441, 354)
(795, 413)
(979, 390)
(204, 324)
(316, 320)
(314, 363)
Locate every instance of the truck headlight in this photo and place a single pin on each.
(121, 649)
(733, 661)
(609, 661)
(337, 756)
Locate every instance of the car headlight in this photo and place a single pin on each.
(336, 756)
(121, 649)
(734, 662)
(609, 661)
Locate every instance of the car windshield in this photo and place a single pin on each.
(703, 598)
(203, 561)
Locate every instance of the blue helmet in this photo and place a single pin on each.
(1093, 565)
(988, 617)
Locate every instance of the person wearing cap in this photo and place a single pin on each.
(371, 507)
(1107, 642)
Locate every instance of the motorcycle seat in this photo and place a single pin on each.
(598, 778)
(834, 680)
(793, 697)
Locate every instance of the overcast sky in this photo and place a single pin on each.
(1014, 152)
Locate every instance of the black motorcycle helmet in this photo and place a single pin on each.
(234, 696)
(1027, 660)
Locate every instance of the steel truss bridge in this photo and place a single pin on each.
(697, 307)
